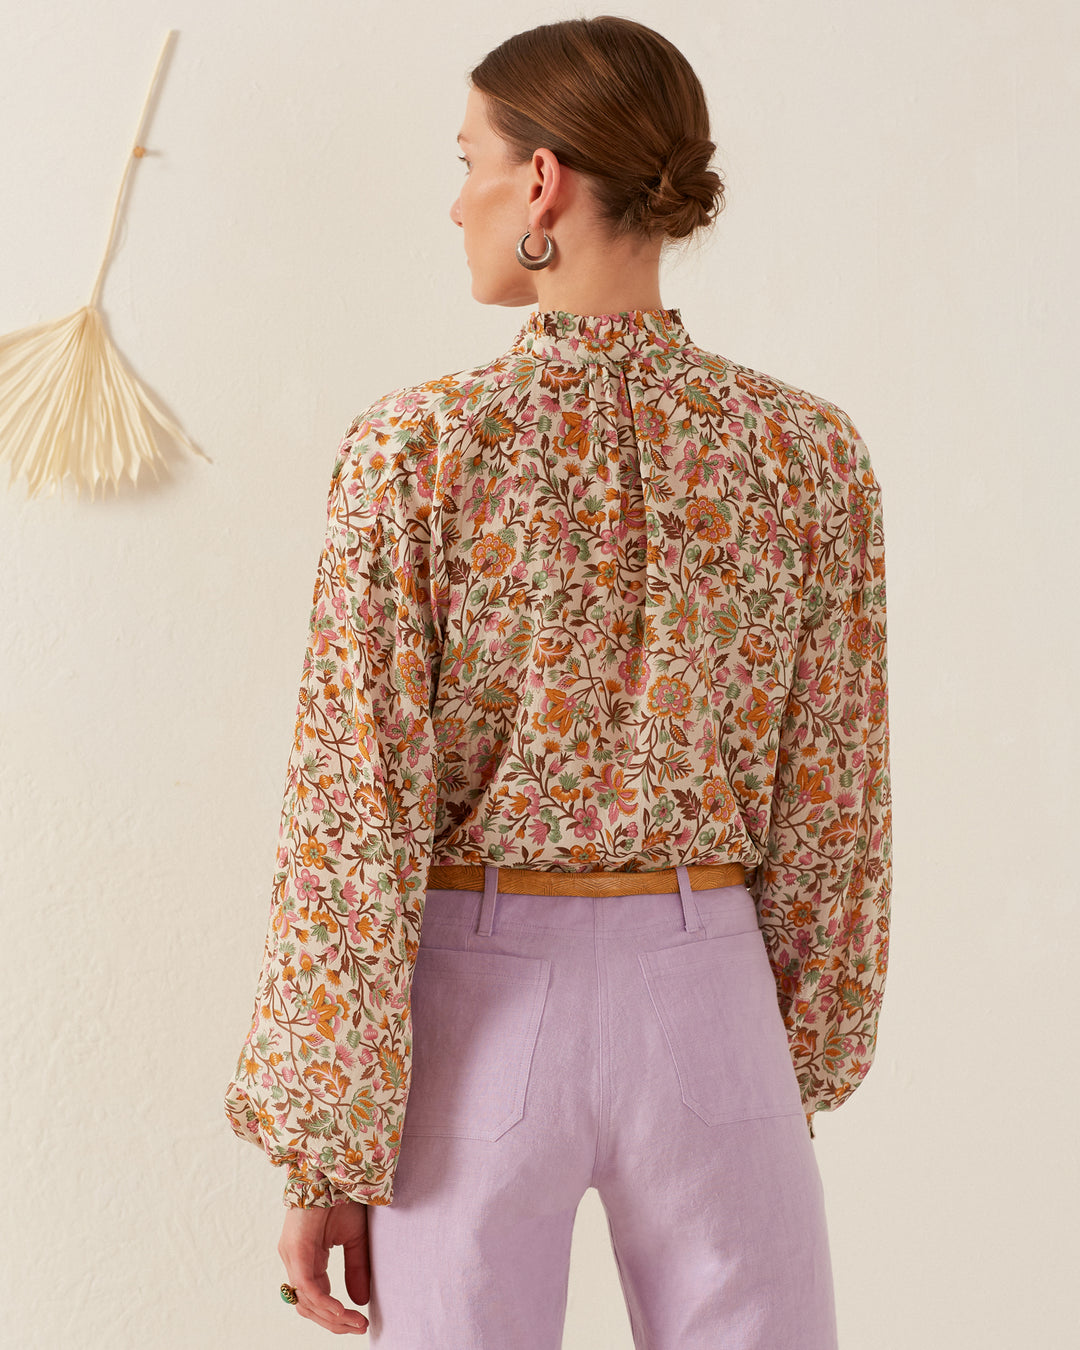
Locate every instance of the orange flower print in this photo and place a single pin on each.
(683, 617)
(324, 1011)
(607, 575)
(840, 458)
(413, 677)
(324, 634)
(592, 517)
(862, 521)
(717, 800)
(427, 476)
(705, 518)
(615, 793)
(761, 714)
(427, 802)
(312, 852)
(669, 697)
(559, 710)
(575, 436)
(650, 423)
(860, 640)
(565, 796)
(779, 441)
(491, 556)
(583, 857)
(634, 670)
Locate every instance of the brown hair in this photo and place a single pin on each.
(615, 101)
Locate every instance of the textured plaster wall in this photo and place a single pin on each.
(900, 238)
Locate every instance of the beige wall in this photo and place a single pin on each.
(900, 238)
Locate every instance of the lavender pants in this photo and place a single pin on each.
(633, 1043)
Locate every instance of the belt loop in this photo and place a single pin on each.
(691, 913)
(487, 905)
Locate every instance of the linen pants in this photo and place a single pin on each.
(633, 1043)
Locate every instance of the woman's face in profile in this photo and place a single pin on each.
(492, 209)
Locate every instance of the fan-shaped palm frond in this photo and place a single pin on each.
(68, 402)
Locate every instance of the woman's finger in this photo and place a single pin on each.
(353, 1238)
(319, 1306)
(304, 1250)
(341, 1326)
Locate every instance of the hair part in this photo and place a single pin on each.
(616, 102)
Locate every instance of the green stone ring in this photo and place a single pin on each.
(288, 1293)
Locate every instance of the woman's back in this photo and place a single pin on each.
(627, 538)
(605, 602)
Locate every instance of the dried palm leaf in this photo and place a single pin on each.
(68, 402)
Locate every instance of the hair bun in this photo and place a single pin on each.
(683, 193)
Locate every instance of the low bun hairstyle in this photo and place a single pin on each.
(618, 103)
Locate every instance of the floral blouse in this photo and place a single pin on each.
(608, 601)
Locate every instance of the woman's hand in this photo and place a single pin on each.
(304, 1247)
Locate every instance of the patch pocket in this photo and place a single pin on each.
(716, 1002)
(475, 1020)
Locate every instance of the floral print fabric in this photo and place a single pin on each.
(608, 601)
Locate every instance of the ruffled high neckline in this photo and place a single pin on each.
(606, 339)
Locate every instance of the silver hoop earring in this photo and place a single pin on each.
(534, 263)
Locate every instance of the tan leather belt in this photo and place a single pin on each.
(533, 881)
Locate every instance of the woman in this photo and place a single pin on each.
(596, 687)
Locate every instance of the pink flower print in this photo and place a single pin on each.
(307, 887)
(323, 632)
(538, 831)
(615, 793)
(587, 822)
(634, 670)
